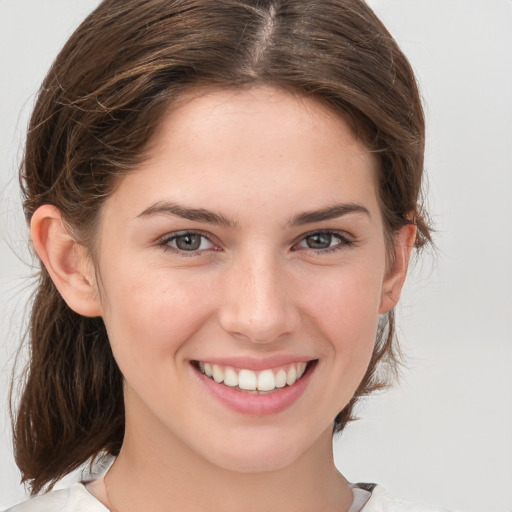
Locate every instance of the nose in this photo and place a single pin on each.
(258, 303)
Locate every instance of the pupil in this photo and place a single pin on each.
(319, 241)
(188, 242)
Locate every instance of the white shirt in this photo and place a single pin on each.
(78, 499)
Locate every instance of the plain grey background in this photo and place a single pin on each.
(444, 434)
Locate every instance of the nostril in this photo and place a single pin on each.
(260, 331)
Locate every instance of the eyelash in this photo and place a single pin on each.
(343, 242)
(164, 242)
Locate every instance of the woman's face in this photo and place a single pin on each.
(249, 247)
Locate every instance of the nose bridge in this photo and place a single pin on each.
(258, 304)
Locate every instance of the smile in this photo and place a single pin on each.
(264, 381)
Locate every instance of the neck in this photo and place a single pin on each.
(164, 467)
(174, 478)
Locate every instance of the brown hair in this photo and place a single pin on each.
(96, 111)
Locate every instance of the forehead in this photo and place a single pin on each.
(250, 146)
(270, 116)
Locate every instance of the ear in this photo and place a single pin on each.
(65, 260)
(395, 277)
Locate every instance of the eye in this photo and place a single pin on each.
(324, 241)
(187, 241)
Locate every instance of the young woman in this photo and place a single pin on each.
(223, 195)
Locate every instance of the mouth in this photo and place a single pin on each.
(266, 381)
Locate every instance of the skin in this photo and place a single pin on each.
(258, 158)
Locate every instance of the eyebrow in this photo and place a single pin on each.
(203, 215)
(331, 212)
(197, 214)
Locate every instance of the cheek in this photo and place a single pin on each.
(346, 309)
(149, 319)
(347, 296)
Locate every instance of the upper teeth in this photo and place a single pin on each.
(266, 380)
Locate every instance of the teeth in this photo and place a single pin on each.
(301, 368)
(281, 379)
(266, 381)
(291, 376)
(230, 377)
(217, 373)
(248, 380)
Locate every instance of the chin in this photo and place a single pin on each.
(243, 462)
(265, 451)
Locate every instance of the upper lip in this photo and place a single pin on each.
(257, 363)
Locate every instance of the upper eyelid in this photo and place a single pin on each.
(183, 232)
(346, 239)
(335, 232)
(165, 239)
(162, 240)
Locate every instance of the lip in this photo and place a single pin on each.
(258, 364)
(256, 404)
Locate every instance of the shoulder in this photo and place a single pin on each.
(72, 499)
(382, 501)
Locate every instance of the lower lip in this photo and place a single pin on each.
(257, 405)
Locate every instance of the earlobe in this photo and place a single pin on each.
(395, 278)
(65, 260)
